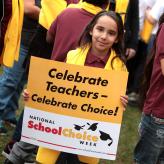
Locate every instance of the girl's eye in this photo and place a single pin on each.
(100, 29)
(112, 33)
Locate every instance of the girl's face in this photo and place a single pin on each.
(104, 35)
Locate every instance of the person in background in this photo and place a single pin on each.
(9, 79)
(131, 29)
(17, 75)
(153, 14)
(129, 11)
(138, 62)
(101, 42)
(6, 13)
(1, 11)
(10, 43)
(50, 9)
(131, 47)
(150, 147)
(146, 9)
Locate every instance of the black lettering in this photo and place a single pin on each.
(48, 85)
(70, 77)
(65, 74)
(104, 83)
(61, 90)
(39, 99)
(99, 80)
(110, 112)
(89, 93)
(75, 91)
(83, 93)
(116, 110)
(53, 88)
(33, 97)
(51, 72)
(83, 107)
(64, 105)
(59, 75)
(96, 110)
(78, 78)
(84, 79)
(44, 98)
(53, 102)
(105, 111)
(47, 101)
(92, 81)
(95, 95)
(67, 91)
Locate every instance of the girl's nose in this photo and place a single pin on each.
(104, 35)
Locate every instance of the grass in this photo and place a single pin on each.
(128, 137)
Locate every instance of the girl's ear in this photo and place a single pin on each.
(90, 33)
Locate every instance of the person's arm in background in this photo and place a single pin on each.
(132, 28)
(160, 39)
(31, 10)
(52, 31)
(153, 14)
(150, 17)
(162, 66)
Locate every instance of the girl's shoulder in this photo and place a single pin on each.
(119, 65)
(72, 53)
(116, 62)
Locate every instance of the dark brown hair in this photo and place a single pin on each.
(99, 3)
(86, 38)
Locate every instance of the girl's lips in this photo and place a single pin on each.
(102, 43)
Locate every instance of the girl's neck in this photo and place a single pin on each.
(99, 53)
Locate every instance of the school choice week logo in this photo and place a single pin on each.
(86, 134)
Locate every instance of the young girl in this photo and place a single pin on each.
(100, 45)
(150, 147)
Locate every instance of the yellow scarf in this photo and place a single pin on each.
(78, 57)
(50, 10)
(13, 34)
(86, 6)
(121, 7)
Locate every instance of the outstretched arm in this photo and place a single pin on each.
(31, 10)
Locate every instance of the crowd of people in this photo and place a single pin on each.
(125, 35)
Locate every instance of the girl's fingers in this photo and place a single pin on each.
(124, 101)
(26, 95)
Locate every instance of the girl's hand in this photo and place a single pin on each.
(124, 101)
(26, 95)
